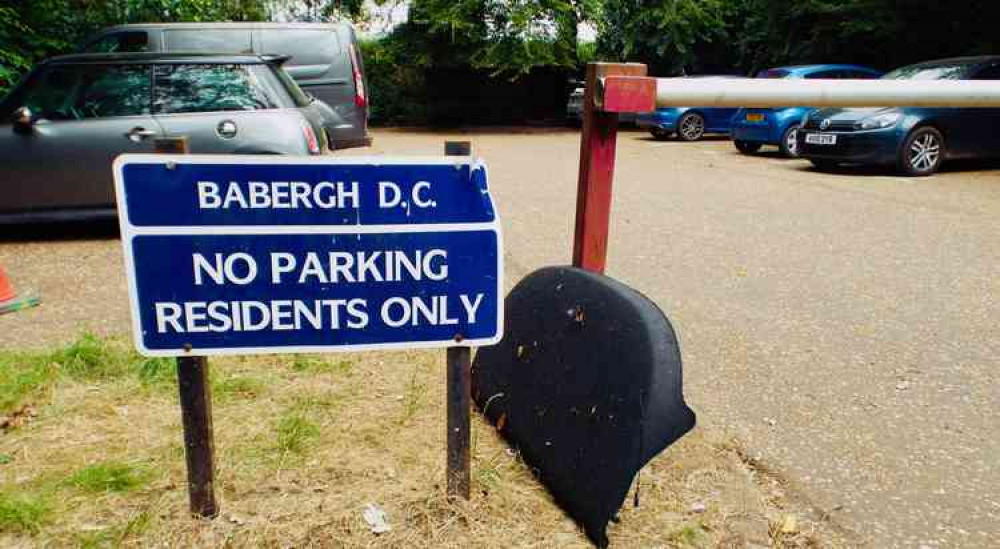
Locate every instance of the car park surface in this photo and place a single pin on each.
(64, 124)
(754, 128)
(840, 326)
(916, 141)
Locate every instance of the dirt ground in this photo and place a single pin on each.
(839, 336)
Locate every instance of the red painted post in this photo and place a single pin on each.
(597, 168)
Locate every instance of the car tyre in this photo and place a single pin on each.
(691, 127)
(747, 147)
(789, 145)
(922, 152)
(660, 134)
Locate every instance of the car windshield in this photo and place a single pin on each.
(955, 71)
(773, 73)
(298, 96)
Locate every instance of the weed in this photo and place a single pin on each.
(23, 513)
(413, 400)
(109, 477)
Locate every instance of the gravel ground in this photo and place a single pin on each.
(841, 326)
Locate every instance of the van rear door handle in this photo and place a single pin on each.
(139, 133)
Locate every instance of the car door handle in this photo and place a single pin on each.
(139, 133)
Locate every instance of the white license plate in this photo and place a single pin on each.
(821, 139)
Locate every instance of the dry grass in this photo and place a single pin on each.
(304, 443)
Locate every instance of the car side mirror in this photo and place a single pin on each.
(23, 120)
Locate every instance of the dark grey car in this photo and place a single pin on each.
(324, 60)
(63, 125)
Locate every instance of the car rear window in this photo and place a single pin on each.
(84, 91)
(306, 46)
(187, 88)
(208, 40)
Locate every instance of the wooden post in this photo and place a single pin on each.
(196, 404)
(597, 167)
(459, 392)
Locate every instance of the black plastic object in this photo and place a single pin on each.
(586, 383)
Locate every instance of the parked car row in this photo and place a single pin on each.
(65, 122)
(915, 141)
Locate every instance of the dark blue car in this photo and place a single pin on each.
(689, 123)
(754, 128)
(914, 140)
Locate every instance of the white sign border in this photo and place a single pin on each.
(130, 231)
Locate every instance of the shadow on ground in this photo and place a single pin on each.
(36, 232)
(954, 166)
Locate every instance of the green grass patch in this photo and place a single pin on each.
(22, 375)
(689, 534)
(236, 386)
(109, 477)
(319, 364)
(296, 432)
(23, 513)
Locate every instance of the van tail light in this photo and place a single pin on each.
(359, 82)
(310, 136)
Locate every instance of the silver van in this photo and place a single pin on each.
(325, 60)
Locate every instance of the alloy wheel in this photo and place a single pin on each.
(925, 152)
(692, 127)
(792, 142)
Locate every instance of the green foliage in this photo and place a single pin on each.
(23, 513)
(706, 36)
(109, 477)
(664, 34)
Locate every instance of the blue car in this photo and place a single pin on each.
(689, 123)
(754, 128)
(914, 140)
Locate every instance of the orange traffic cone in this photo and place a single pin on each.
(9, 300)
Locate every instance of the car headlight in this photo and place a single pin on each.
(879, 121)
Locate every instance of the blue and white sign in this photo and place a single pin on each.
(247, 255)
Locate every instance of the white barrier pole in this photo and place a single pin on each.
(729, 92)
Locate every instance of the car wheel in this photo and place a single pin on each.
(691, 127)
(747, 147)
(922, 152)
(659, 134)
(824, 165)
(789, 145)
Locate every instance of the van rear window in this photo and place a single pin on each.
(306, 46)
(208, 40)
